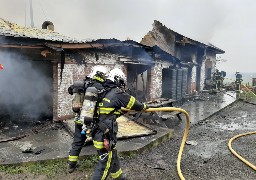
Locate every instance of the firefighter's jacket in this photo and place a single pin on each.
(79, 138)
(109, 108)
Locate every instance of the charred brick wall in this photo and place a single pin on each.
(208, 65)
(212, 59)
(155, 84)
(202, 78)
(73, 72)
(70, 72)
(155, 88)
(193, 74)
(55, 91)
(193, 79)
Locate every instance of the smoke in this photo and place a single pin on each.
(24, 88)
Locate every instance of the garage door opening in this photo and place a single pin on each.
(26, 93)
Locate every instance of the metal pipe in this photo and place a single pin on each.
(31, 13)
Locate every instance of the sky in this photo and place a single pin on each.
(228, 24)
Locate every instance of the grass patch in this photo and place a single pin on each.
(248, 95)
(49, 168)
(88, 163)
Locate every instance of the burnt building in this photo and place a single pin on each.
(40, 65)
(198, 59)
(32, 63)
(139, 62)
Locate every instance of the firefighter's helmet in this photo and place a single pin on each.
(98, 73)
(117, 76)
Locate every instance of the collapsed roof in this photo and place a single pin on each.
(164, 37)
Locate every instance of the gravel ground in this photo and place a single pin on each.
(209, 158)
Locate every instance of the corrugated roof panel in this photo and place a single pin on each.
(11, 29)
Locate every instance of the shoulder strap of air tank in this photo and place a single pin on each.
(102, 94)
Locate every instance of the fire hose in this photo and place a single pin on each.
(240, 135)
(170, 109)
(236, 154)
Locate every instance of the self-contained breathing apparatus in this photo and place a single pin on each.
(88, 108)
(89, 112)
(78, 90)
(89, 103)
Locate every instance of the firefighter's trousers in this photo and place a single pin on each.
(77, 145)
(108, 160)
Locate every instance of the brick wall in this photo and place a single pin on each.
(202, 78)
(193, 79)
(155, 84)
(55, 91)
(73, 72)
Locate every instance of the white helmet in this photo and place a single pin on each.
(98, 72)
(117, 76)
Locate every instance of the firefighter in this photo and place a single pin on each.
(104, 134)
(95, 79)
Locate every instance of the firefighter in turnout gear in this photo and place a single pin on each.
(95, 80)
(105, 131)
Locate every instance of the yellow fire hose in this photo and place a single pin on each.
(236, 154)
(249, 90)
(184, 136)
(240, 135)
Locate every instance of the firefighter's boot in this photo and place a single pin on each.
(72, 167)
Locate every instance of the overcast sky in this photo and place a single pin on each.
(228, 24)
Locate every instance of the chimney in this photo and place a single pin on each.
(48, 25)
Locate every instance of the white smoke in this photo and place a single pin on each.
(24, 88)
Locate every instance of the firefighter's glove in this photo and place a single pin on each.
(70, 90)
(109, 143)
(106, 142)
(77, 120)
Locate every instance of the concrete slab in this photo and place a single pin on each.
(52, 143)
(47, 144)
